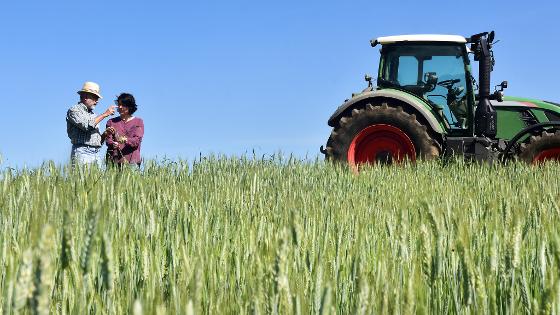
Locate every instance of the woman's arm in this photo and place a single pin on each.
(135, 135)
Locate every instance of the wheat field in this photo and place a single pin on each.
(230, 235)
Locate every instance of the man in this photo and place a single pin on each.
(82, 126)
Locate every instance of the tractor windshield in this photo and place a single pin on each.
(433, 72)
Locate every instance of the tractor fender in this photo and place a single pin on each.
(529, 130)
(411, 100)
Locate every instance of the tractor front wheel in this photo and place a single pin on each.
(380, 134)
(540, 149)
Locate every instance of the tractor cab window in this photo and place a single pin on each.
(435, 73)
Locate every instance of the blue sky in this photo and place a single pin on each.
(231, 77)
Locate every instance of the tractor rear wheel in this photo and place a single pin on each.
(380, 134)
(540, 149)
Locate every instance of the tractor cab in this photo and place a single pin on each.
(424, 106)
(436, 69)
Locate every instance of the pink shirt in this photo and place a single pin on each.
(133, 130)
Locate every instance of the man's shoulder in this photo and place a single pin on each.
(76, 107)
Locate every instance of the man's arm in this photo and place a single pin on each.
(110, 111)
(84, 121)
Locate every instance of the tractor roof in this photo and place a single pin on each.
(421, 38)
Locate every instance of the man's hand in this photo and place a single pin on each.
(110, 111)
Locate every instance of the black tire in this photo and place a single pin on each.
(535, 151)
(349, 127)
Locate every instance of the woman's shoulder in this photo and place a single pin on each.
(110, 122)
(138, 120)
(114, 120)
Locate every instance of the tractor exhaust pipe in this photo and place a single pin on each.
(485, 114)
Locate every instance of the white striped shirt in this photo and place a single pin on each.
(81, 128)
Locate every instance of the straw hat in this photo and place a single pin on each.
(90, 87)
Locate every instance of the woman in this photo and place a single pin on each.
(124, 133)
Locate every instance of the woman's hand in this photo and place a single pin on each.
(106, 133)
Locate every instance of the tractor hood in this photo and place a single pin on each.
(511, 101)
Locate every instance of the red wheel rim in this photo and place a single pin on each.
(547, 155)
(380, 143)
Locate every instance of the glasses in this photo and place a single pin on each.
(90, 96)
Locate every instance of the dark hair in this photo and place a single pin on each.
(128, 101)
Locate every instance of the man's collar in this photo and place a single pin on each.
(85, 107)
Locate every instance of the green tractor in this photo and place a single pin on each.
(427, 104)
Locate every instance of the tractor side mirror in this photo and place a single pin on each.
(367, 78)
(499, 94)
(503, 85)
(491, 37)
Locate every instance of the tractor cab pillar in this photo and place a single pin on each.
(485, 115)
